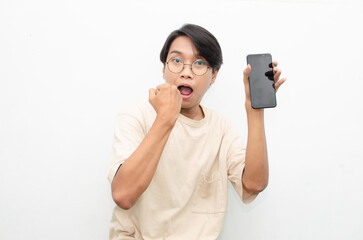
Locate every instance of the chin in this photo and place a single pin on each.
(186, 104)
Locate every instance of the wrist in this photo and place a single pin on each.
(254, 114)
(165, 120)
(252, 111)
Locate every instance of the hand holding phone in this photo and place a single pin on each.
(261, 81)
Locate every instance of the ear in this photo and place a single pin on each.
(214, 76)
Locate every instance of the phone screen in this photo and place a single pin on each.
(262, 87)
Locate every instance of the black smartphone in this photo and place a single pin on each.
(261, 79)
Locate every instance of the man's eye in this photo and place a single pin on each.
(177, 60)
(200, 62)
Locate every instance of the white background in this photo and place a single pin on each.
(67, 67)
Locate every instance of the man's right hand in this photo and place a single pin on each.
(167, 101)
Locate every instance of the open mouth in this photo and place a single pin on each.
(185, 91)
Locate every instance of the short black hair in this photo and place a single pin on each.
(205, 43)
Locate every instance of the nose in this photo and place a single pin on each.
(187, 71)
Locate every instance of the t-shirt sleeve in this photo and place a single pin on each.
(128, 134)
(236, 162)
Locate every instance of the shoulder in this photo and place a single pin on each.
(139, 113)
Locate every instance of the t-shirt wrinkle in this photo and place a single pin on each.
(188, 194)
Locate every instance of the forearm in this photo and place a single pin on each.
(135, 175)
(255, 176)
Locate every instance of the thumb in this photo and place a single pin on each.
(246, 73)
(152, 94)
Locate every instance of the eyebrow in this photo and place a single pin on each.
(175, 51)
(178, 52)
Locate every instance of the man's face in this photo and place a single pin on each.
(192, 87)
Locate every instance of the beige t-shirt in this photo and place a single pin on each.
(187, 196)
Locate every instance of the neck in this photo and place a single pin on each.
(195, 113)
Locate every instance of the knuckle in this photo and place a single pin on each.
(165, 86)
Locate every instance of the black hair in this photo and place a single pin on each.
(205, 43)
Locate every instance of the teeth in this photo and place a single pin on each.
(184, 86)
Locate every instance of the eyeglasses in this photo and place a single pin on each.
(199, 66)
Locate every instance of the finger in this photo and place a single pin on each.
(158, 87)
(279, 83)
(277, 75)
(275, 69)
(174, 88)
(275, 63)
(270, 75)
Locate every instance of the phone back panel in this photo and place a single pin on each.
(262, 88)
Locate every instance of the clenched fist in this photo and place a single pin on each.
(167, 101)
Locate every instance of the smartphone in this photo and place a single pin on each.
(261, 79)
